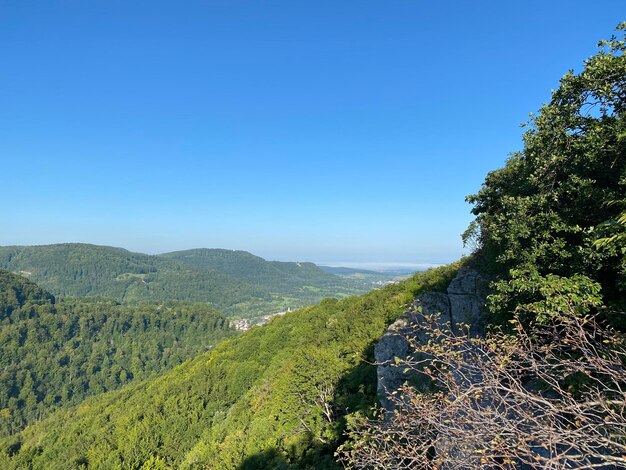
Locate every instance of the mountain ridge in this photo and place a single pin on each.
(235, 282)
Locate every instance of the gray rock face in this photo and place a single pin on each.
(467, 293)
(392, 345)
(463, 303)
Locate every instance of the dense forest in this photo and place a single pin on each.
(54, 354)
(246, 267)
(278, 393)
(236, 283)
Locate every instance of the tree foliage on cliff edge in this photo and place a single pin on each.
(554, 208)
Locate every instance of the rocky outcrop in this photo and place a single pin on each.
(463, 303)
(467, 294)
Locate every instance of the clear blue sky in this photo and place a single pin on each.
(319, 130)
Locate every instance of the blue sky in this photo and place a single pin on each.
(327, 131)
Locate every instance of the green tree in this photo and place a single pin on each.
(542, 212)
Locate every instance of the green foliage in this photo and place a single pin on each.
(246, 267)
(235, 282)
(612, 234)
(54, 355)
(548, 296)
(17, 293)
(277, 396)
(542, 214)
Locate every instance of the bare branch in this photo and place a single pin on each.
(547, 397)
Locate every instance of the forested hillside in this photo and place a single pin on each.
(17, 292)
(252, 269)
(56, 354)
(274, 396)
(235, 282)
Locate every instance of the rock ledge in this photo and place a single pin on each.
(463, 303)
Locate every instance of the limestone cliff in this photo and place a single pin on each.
(462, 303)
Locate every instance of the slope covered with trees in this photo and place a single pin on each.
(235, 282)
(17, 292)
(275, 396)
(56, 354)
(252, 269)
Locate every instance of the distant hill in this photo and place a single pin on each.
(367, 276)
(235, 282)
(254, 270)
(347, 271)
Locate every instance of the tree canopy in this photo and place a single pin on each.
(55, 354)
(544, 212)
